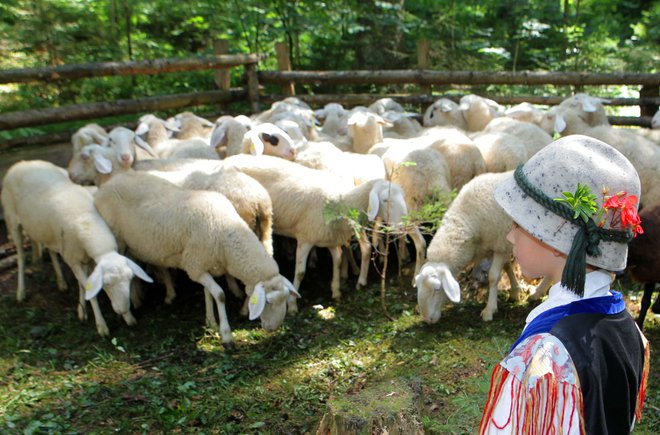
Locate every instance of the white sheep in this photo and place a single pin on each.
(531, 135)
(300, 195)
(39, 199)
(525, 112)
(501, 151)
(642, 153)
(199, 232)
(227, 135)
(444, 112)
(473, 228)
(191, 126)
(365, 130)
(358, 168)
(157, 133)
(478, 111)
(591, 108)
(86, 135)
(264, 138)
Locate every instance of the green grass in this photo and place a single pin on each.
(170, 374)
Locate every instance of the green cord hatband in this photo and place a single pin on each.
(585, 241)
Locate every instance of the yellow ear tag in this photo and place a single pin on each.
(254, 299)
(88, 286)
(252, 148)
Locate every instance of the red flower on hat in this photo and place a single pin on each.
(624, 212)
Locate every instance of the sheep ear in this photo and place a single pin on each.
(205, 122)
(144, 145)
(94, 283)
(560, 124)
(142, 128)
(138, 271)
(218, 137)
(257, 301)
(451, 287)
(256, 145)
(445, 106)
(372, 211)
(289, 286)
(588, 105)
(102, 164)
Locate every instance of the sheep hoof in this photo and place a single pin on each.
(229, 346)
(487, 315)
(103, 330)
(82, 313)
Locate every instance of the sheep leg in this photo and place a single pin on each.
(541, 289)
(403, 254)
(335, 251)
(59, 276)
(37, 253)
(136, 293)
(210, 315)
(302, 252)
(420, 248)
(101, 327)
(17, 236)
(166, 277)
(494, 274)
(351, 260)
(514, 294)
(365, 256)
(219, 296)
(344, 263)
(233, 286)
(646, 303)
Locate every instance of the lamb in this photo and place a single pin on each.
(191, 126)
(157, 133)
(300, 195)
(473, 228)
(86, 135)
(444, 112)
(199, 232)
(644, 259)
(39, 199)
(501, 151)
(478, 111)
(263, 138)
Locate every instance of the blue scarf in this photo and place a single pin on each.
(544, 322)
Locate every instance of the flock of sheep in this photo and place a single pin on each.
(206, 198)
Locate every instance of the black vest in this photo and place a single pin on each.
(608, 352)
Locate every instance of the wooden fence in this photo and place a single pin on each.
(252, 90)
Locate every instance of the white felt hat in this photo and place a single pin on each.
(558, 168)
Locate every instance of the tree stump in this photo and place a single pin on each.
(390, 407)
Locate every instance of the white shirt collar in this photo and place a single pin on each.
(596, 284)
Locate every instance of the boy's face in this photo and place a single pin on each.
(536, 259)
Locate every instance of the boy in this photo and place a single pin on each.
(580, 365)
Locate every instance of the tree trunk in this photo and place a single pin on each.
(390, 407)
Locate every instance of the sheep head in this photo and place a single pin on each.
(435, 284)
(268, 301)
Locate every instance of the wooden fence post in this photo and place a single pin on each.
(284, 64)
(648, 92)
(222, 76)
(253, 87)
(423, 63)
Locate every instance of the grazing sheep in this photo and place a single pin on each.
(199, 232)
(501, 151)
(473, 228)
(644, 259)
(39, 199)
(444, 112)
(300, 195)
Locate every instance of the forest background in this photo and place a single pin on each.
(510, 35)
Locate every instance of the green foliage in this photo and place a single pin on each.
(582, 202)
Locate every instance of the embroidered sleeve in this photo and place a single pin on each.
(534, 390)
